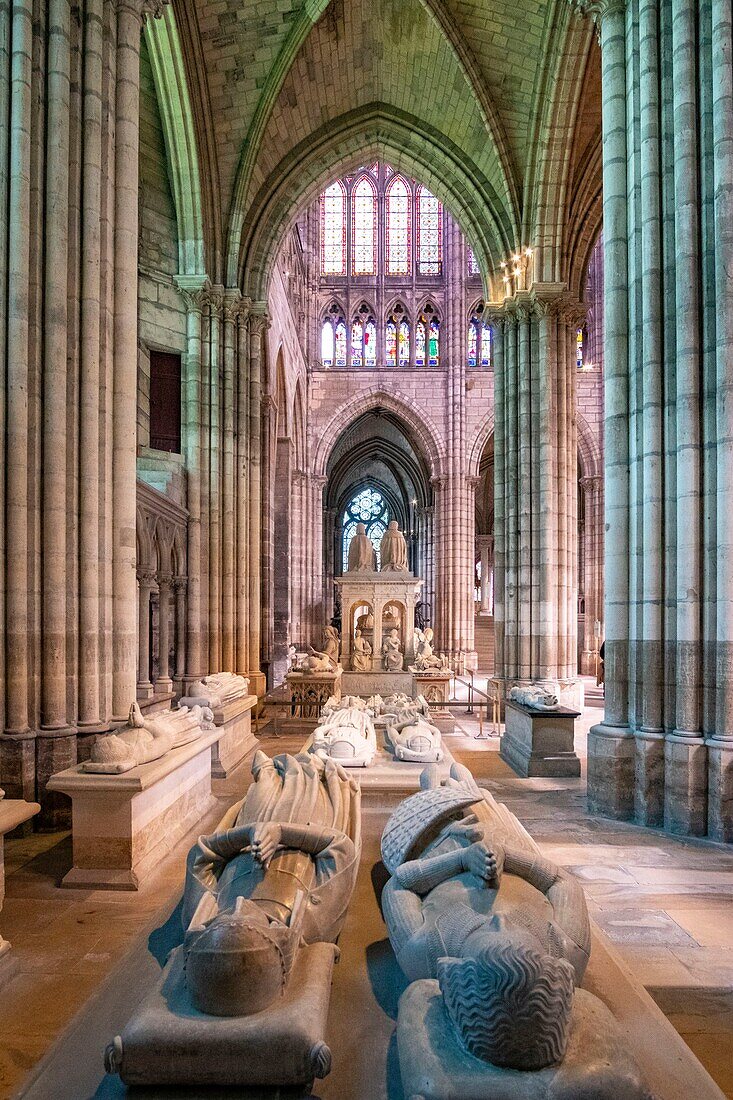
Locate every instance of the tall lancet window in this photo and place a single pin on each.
(399, 227)
(429, 233)
(333, 230)
(364, 228)
(369, 507)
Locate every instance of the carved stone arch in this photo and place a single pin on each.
(589, 453)
(337, 149)
(481, 439)
(397, 300)
(420, 426)
(146, 559)
(429, 300)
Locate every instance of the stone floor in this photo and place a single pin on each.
(83, 957)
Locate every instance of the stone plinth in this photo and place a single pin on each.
(377, 591)
(720, 790)
(310, 690)
(367, 684)
(13, 812)
(237, 739)
(434, 687)
(435, 1066)
(611, 759)
(168, 1042)
(123, 825)
(540, 742)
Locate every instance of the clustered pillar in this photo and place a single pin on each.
(664, 752)
(69, 79)
(535, 488)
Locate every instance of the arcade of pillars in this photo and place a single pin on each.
(148, 206)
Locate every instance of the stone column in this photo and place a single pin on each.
(146, 583)
(258, 322)
(483, 544)
(720, 745)
(214, 455)
(611, 748)
(164, 684)
(243, 493)
(180, 585)
(195, 290)
(535, 503)
(91, 376)
(592, 492)
(18, 756)
(232, 306)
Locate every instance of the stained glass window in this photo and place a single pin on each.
(370, 343)
(473, 339)
(404, 343)
(398, 227)
(479, 343)
(429, 233)
(364, 228)
(434, 344)
(579, 349)
(327, 344)
(390, 344)
(420, 343)
(370, 508)
(357, 339)
(340, 343)
(473, 268)
(333, 230)
(486, 345)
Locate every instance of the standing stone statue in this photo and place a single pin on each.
(361, 657)
(362, 555)
(392, 656)
(393, 550)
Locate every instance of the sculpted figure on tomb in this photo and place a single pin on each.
(347, 736)
(244, 1000)
(392, 656)
(537, 696)
(361, 654)
(391, 617)
(144, 739)
(325, 660)
(495, 940)
(393, 549)
(413, 737)
(362, 555)
(217, 690)
(425, 659)
(365, 622)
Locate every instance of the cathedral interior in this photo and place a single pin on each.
(366, 432)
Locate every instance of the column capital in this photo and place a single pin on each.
(233, 304)
(141, 9)
(146, 577)
(165, 580)
(438, 483)
(195, 290)
(598, 9)
(473, 481)
(215, 298)
(591, 484)
(259, 318)
(180, 584)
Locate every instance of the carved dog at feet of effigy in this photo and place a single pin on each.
(347, 736)
(413, 737)
(495, 940)
(146, 738)
(243, 1001)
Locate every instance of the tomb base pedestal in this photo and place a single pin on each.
(310, 690)
(540, 742)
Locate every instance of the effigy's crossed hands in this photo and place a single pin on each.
(265, 841)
